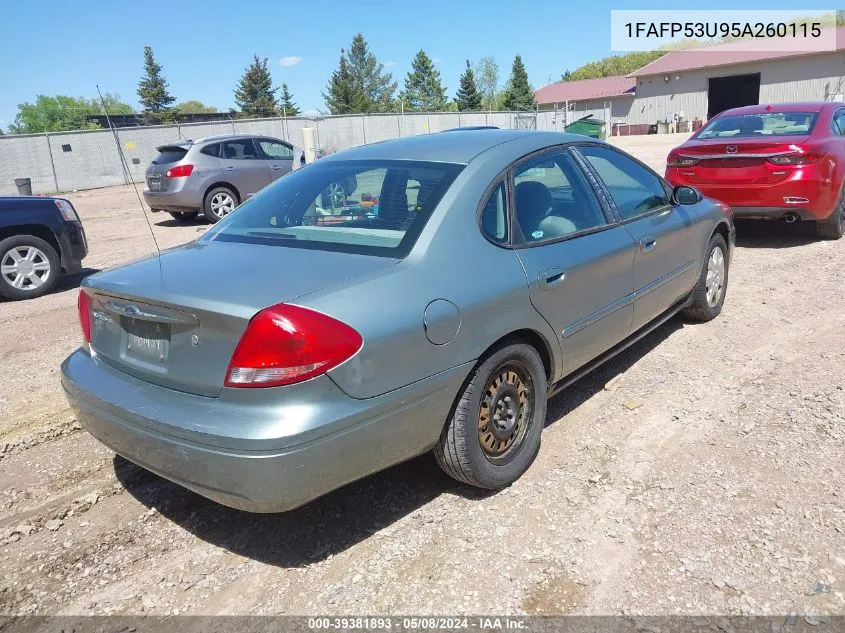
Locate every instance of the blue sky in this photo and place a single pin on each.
(68, 46)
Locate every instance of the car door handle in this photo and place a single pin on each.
(275, 167)
(648, 243)
(231, 169)
(550, 278)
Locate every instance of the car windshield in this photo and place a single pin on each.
(764, 124)
(374, 207)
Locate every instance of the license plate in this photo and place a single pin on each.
(154, 182)
(146, 342)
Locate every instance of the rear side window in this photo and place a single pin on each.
(376, 207)
(167, 155)
(634, 189)
(494, 216)
(241, 149)
(211, 150)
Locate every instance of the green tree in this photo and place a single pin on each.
(113, 104)
(255, 95)
(468, 98)
(567, 76)
(373, 86)
(152, 91)
(287, 107)
(518, 95)
(423, 88)
(53, 114)
(487, 74)
(342, 95)
(193, 106)
(613, 65)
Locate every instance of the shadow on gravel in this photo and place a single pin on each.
(774, 234)
(200, 221)
(68, 282)
(331, 524)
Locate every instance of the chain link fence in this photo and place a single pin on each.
(70, 161)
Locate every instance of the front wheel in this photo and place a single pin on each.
(29, 267)
(708, 296)
(494, 431)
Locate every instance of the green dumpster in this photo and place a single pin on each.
(588, 126)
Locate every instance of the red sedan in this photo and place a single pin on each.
(771, 161)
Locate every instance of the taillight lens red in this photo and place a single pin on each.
(83, 304)
(676, 160)
(180, 171)
(805, 158)
(285, 344)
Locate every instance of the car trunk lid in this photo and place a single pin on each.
(175, 320)
(737, 161)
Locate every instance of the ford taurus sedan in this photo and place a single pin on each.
(298, 345)
(782, 161)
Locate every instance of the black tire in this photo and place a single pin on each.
(19, 243)
(460, 453)
(184, 216)
(703, 309)
(833, 227)
(207, 205)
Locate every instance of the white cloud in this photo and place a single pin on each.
(291, 60)
(389, 64)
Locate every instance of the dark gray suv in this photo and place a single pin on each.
(213, 175)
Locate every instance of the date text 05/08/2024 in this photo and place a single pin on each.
(431, 623)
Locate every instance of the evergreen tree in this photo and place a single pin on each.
(567, 76)
(286, 105)
(342, 96)
(519, 95)
(374, 88)
(152, 91)
(468, 97)
(255, 95)
(423, 88)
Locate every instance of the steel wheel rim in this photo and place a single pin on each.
(25, 267)
(222, 204)
(506, 412)
(336, 194)
(715, 282)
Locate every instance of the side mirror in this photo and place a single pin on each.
(686, 195)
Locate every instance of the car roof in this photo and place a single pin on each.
(453, 148)
(798, 106)
(229, 137)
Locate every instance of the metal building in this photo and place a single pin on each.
(606, 98)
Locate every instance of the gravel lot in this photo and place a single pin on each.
(700, 472)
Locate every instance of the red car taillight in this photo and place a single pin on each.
(675, 160)
(180, 171)
(83, 304)
(285, 344)
(799, 158)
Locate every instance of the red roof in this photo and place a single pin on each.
(723, 55)
(585, 89)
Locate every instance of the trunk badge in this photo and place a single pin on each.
(731, 149)
(195, 340)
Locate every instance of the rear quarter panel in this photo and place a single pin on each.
(453, 261)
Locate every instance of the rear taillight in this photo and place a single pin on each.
(180, 171)
(83, 304)
(284, 344)
(798, 158)
(676, 160)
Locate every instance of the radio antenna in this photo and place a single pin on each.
(126, 171)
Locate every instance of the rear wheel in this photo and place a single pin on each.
(494, 432)
(833, 227)
(184, 216)
(708, 296)
(219, 202)
(29, 267)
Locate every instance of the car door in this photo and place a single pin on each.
(665, 260)
(278, 155)
(244, 167)
(579, 264)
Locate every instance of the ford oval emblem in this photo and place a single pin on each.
(731, 149)
(132, 310)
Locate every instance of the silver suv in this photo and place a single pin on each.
(213, 175)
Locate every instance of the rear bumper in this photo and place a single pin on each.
(184, 200)
(768, 201)
(270, 455)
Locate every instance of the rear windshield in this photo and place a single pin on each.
(765, 124)
(368, 207)
(168, 155)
